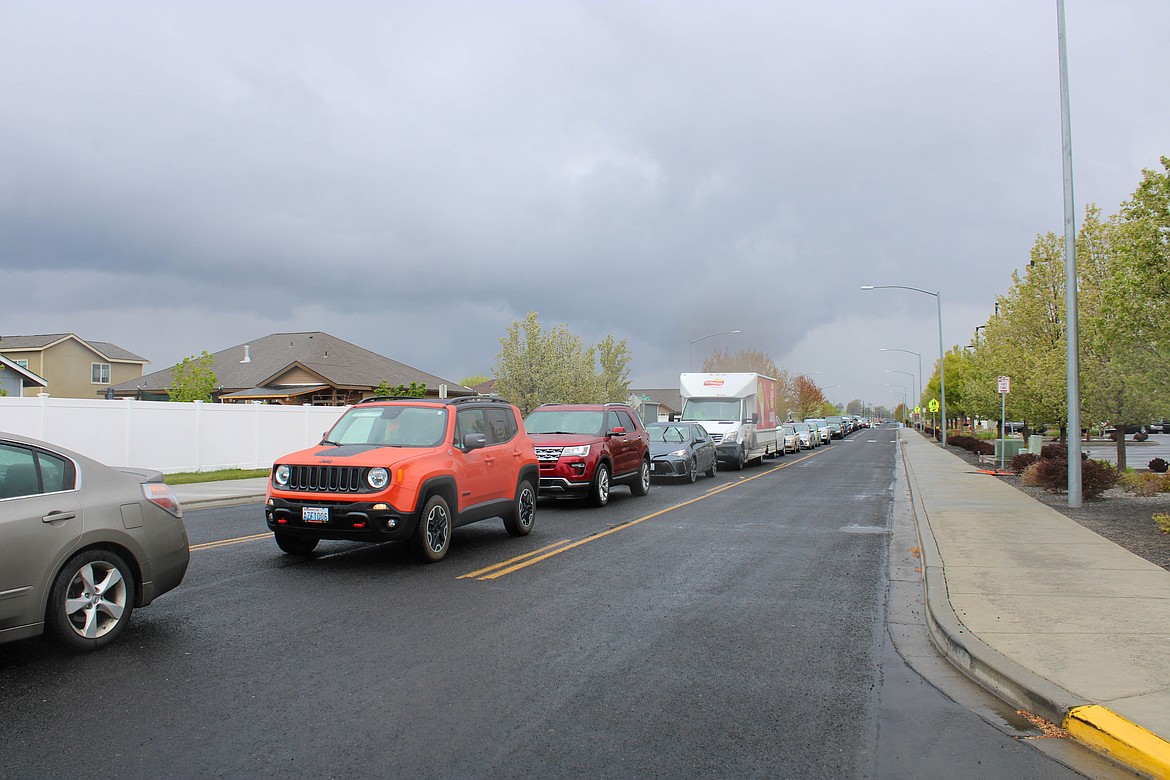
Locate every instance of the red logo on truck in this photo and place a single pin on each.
(712, 383)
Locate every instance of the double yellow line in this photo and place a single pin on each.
(228, 542)
(497, 570)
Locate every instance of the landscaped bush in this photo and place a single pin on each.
(983, 447)
(1140, 483)
(1054, 451)
(965, 442)
(1158, 466)
(1023, 460)
(1141, 436)
(1052, 475)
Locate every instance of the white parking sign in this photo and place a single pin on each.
(1005, 385)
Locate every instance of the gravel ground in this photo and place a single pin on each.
(1121, 517)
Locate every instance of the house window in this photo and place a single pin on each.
(101, 373)
(22, 363)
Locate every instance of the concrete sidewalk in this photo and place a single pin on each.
(1048, 615)
(204, 495)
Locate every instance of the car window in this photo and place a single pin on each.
(501, 425)
(468, 421)
(391, 426)
(18, 472)
(612, 421)
(565, 421)
(57, 474)
(627, 422)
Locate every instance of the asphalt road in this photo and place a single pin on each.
(737, 627)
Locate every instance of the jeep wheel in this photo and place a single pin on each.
(692, 470)
(296, 545)
(642, 486)
(519, 521)
(599, 492)
(432, 538)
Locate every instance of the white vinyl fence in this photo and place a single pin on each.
(169, 436)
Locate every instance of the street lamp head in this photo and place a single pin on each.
(867, 286)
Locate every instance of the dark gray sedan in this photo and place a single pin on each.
(681, 450)
(81, 544)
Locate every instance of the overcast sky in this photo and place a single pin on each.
(412, 177)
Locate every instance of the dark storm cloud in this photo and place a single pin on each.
(412, 177)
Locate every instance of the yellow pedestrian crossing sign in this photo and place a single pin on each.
(932, 405)
(917, 410)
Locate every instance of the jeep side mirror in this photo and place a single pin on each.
(474, 441)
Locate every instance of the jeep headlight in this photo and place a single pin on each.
(378, 478)
(580, 451)
(281, 476)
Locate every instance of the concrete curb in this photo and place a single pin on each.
(1092, 725)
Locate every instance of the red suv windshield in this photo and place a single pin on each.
(582, 421)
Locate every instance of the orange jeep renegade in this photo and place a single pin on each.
(406, 469)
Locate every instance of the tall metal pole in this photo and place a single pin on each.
(1070, 277)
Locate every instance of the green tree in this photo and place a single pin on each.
(414, 390)
(473, 380)
(614, 380)
(536, 366)
(193, 378)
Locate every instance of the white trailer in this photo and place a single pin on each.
(738, 410)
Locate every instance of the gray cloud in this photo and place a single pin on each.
(413, 177)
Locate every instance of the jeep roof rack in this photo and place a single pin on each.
(372, 399)
(478, 399)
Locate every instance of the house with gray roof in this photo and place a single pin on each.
(15, 378)
(298, 368)
(71, 366)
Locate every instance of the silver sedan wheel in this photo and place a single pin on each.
(95, 599)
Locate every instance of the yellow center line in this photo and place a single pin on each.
(543, 554)
(227, 542)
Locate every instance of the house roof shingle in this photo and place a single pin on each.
(335, 361)
(104, 348)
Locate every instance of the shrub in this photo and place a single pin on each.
(1023, 461)
(1163, 521)
(1052, 475)
(1054, 451)
(1140, 484)
(965, 442)
(1158, 466)
(1164, 485)
(1141, 436)
(1097, 476)
(983, 448)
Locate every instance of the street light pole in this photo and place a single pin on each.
(942, 366)
(708, 336)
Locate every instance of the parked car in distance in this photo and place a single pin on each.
(82, 545)
(586, 449)
(821, 429)
(406, 470)
(804, 432)
(789, 441)
(836, 425)
(681, 450)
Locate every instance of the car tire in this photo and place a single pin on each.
(692, 470)
(91, 600)
(642, 486)
(599, 490)
(432, 538)
(296, 545)
(519, 521)
(740, 461)
(714, 466)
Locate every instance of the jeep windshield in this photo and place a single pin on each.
(712, 409)
(390, 426)
(570, 421)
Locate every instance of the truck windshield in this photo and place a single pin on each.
(724, 409)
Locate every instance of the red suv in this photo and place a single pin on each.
(406, 469)
(585, 449)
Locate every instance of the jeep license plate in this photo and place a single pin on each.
(315, 514)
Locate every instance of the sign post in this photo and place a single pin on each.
(1005, 387)
(932, 405)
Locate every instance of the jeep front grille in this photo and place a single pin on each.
(548, 454)
(328, 479)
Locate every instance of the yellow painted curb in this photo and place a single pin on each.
(1107, 732)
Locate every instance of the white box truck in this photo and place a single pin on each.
(738, 410)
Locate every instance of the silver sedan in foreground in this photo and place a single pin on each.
(81, 544)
